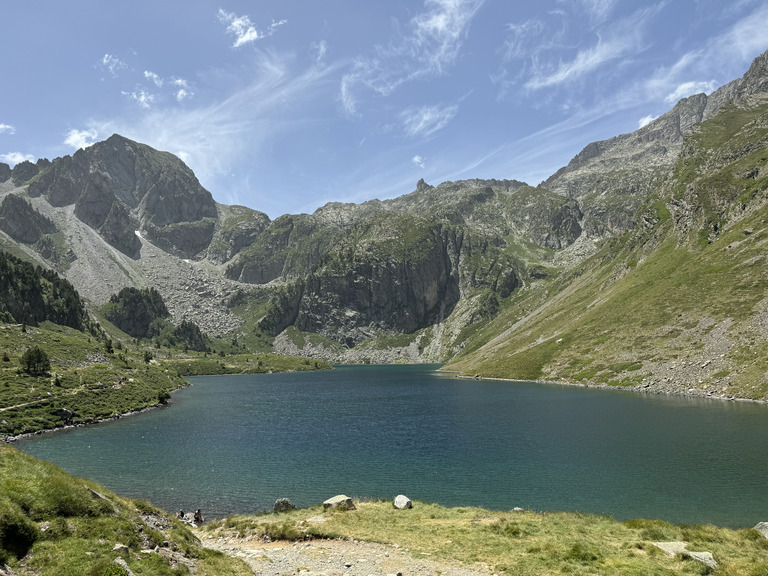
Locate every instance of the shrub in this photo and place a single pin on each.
(17, 532)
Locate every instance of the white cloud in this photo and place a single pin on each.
(216, 136)
(143, 98)
(81, 138)
(182, 95)
(689, 88)
(154, 78)
(645, 120)
(598, 10)
(721, 57)
(418, 161)
(111, 63)
(317, 52)
(584, 62)
(7, 129)
(347, 99)
(430, 46)
(14, 158)
(426, 120)
(243, 29)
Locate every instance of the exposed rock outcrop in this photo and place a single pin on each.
(22, 222)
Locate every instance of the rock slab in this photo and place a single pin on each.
(283, 505)
(340, 502)
(674, 548)
(402, 502)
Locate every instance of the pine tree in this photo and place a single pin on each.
(35, 362)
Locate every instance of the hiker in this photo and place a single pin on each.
(198, 517)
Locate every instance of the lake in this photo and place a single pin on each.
(234, 444)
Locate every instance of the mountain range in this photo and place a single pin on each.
(639, 264)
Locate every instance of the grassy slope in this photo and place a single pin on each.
(94, 384)
(665, 294)
(53, 523)
(520, 542)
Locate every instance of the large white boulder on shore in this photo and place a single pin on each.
(402, 502)
(762, 527)
(340, 502)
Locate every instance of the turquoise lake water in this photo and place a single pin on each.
(234, 444)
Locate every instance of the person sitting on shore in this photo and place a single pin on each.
(198, 517)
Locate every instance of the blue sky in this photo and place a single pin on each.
(284, 105)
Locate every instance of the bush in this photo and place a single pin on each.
(17, 532)
(35, 361)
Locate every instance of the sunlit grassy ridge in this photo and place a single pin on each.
(53, 523)
(519, 542)
(689, 284)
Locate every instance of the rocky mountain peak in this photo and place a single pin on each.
(119, 186)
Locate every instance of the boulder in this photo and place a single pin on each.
(123, 564)
(402, 502)
(762, 527)
(283, 505)
(340, 502)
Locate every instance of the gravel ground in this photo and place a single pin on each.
(333, 558)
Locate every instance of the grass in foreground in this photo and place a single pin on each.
(520, 542)
(53, 523)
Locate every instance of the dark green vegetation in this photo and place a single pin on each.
(53, 523)
(135, 311)
(31, 294)
(519, 542)
(141, 313)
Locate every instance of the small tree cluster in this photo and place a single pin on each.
(35, 362)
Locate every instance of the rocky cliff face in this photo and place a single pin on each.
(22, 222)
(119, 186)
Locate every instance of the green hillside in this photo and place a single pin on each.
(53, 523)
(681, 299)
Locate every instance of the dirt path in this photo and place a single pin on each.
(333, 558)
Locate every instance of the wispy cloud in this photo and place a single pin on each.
(141, 96)
(431, 45)
(154, 78)
(719, 60)
(244, 31)
(211, 138)
(598, 10)
(111, 64)
(318, 51)
(81, 138)
(418, 161)
(424, 121)
(7, 129)
(688, 88)
(645, 120)
(14, 158)
(553, 52)
(585, 61)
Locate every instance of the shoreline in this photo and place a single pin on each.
(11, 438)
(635, 389)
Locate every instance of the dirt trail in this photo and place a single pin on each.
(333, 558)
